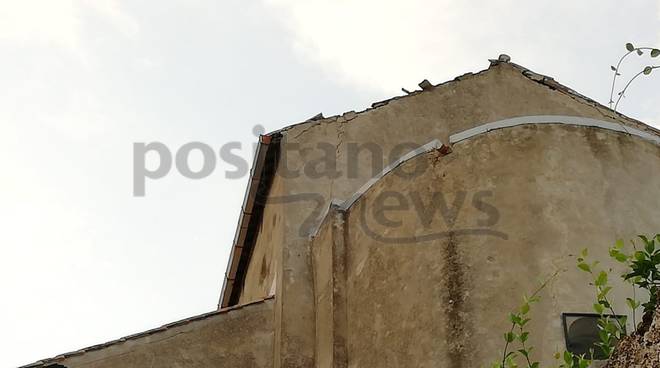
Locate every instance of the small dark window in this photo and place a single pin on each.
(581, 333)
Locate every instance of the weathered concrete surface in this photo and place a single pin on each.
(241, 337)
(422, 291)
(642, 349)
(329, 264)
(394, 129)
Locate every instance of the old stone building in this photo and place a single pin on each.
(403, 235)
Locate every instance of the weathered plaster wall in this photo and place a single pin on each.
(322, 249)
(260, 275)
(498, 93)
(329, 265)
(242, 337)
(422, 292)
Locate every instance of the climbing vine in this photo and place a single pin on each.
(647, 70)
(518, 333)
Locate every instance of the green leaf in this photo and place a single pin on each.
(514, 318)
(649, 244)
(655, 53)
(599, 308)
(633, 304)
(601, 280)
(509, 336)
(647, 70)
(616, 254)
(621, 257)
(630, 47)
(568, 357)
(524, 336)
(604, 291)
(619, 244)
(534, 299)
(524, 309)
(640, 52)
(584, 267)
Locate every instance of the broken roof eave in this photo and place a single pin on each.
(240, 252)
(265, 158)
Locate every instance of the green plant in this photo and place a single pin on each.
(643, 269)
(518, 333)
(570, 360)
(610, 330)
(647, 70)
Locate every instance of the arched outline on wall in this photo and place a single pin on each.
(472, 132)
(551, 119)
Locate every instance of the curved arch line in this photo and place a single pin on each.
(551, 119)
(481, 129)
(500, 124)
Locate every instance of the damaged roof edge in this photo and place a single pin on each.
(265, 158)
(59, 358)
(542, 79)
(241, 251)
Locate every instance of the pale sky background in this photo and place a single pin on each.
(83, 261)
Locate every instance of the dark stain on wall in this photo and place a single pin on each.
(456, 317)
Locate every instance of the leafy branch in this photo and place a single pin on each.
(600, 281)
(610, 328)
(572, 360)
(654, 53)
(644, 268)
(519, 321)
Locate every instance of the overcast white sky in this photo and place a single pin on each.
(83, 261)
